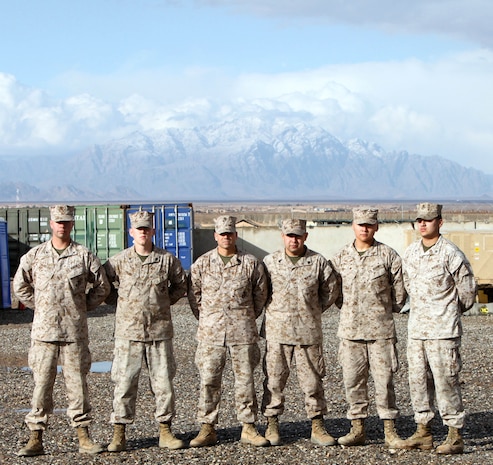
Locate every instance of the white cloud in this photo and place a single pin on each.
(33, 122)
(400, 125)
(25, 121)
(7, 85)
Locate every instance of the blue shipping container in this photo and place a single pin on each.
(4, 266)
(174, 225)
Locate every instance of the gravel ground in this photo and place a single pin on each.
(61, 444)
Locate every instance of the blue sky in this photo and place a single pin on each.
(413, 76)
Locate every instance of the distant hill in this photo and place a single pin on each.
(238, 160)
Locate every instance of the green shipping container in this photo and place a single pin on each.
(27, 227)
(100, 228)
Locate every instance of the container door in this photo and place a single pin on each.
(5, 301)
(101, 229)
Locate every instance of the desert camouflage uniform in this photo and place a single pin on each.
(372, 289)
(227, 299)
(55, 287)
(143, 328)
(299, 294)
(441, 286)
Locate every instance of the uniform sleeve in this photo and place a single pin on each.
(23, 282)
(466, 284)
(195, 290)
(269, 282)
(178, 282)
(335, 262)
(399, 294)
(100, 284)
(330, 286)
(260, 286)
(111, 274)
(406, 263)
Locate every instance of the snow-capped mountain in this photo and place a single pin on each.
(238, 160)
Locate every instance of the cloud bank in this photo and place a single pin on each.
(441, 108)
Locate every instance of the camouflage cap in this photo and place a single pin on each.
(293, 226)
(428, 211)
(62, 213)
(141, 219)
(365, 215)
(225, 224)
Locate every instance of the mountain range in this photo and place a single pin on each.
(246, 159)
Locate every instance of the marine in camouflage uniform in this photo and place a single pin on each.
(146, 280)
(372, 289)
(53, 279)
(227, 292)
(302, 286)
(441, 286)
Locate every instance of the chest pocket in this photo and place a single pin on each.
(160, 285)
(76, 279)
(210, 284)
(348, 275)
(308, 278)
(42, 276)
(438, 277)
(279, 281)
(240, 289)
(379, 279)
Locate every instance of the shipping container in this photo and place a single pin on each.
(5, 301)
(27, 227)
(174, 229)
(103, 229)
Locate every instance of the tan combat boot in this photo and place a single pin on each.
(421, 439)
(250, 435)
(392, 439)
(86, 444)
(207, 436)
(167, 438)
(319, 434)
(118, 443)
(34, 446)
(453, 444)
(272, 432)
(356, 436)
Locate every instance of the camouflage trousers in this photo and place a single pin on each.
(360, 358)
(125, 372)
(434, 367)
(210, 361)
(310, 368)
(75, 359)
